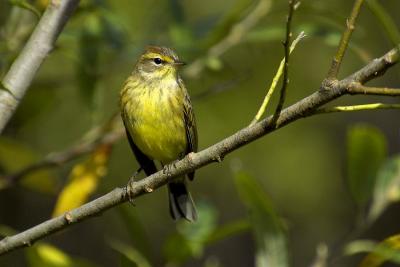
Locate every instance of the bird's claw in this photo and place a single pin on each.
(128, 190)
(167, 168)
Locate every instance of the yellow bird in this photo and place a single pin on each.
(159, 121)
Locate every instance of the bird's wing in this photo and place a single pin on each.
(190, 125)
(145, 162)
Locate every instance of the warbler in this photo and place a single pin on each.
(159, 121)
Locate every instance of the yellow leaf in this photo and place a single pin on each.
(388, 249)
(83, 180)
(47, 255)
(52, 255)
(41, 4)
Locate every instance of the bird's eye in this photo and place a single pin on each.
(157, 60)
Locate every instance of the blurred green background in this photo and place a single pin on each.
(303, 169)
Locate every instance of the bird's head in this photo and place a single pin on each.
(158, 63)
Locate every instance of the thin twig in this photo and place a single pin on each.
(62, 157)
(292, 6)
(274, 82)
(39, 45)
(109, 133)
(372, 106)
(344, 42)
(215, 153)
(358, 89)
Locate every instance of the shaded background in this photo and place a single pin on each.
(302, 167)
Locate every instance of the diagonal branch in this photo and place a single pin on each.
(16, 82)
(215, 153)
(378, 68)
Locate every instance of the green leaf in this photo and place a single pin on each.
(268, 230)
(214, 63)
(43, 180)
(176, 249)
(387, 187)
(191, 238)
(197, 233)
(378, 253)
(130, 255)
(366, 151)
(135, 229)
(332, 38)
(227, 230)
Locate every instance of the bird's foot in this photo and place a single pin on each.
(128, 190)
(167, 168)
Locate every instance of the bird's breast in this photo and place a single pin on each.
(154, 118)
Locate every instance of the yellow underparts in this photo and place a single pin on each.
(155, 120)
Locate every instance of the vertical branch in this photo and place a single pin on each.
(344, 41)
(293, 4)
(17, 80)
(275, 80)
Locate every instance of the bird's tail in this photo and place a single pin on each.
(181, 204)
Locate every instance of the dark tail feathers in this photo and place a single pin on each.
(181, 204)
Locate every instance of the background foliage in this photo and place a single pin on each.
(310, 189)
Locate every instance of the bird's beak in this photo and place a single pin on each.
(179, 63)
